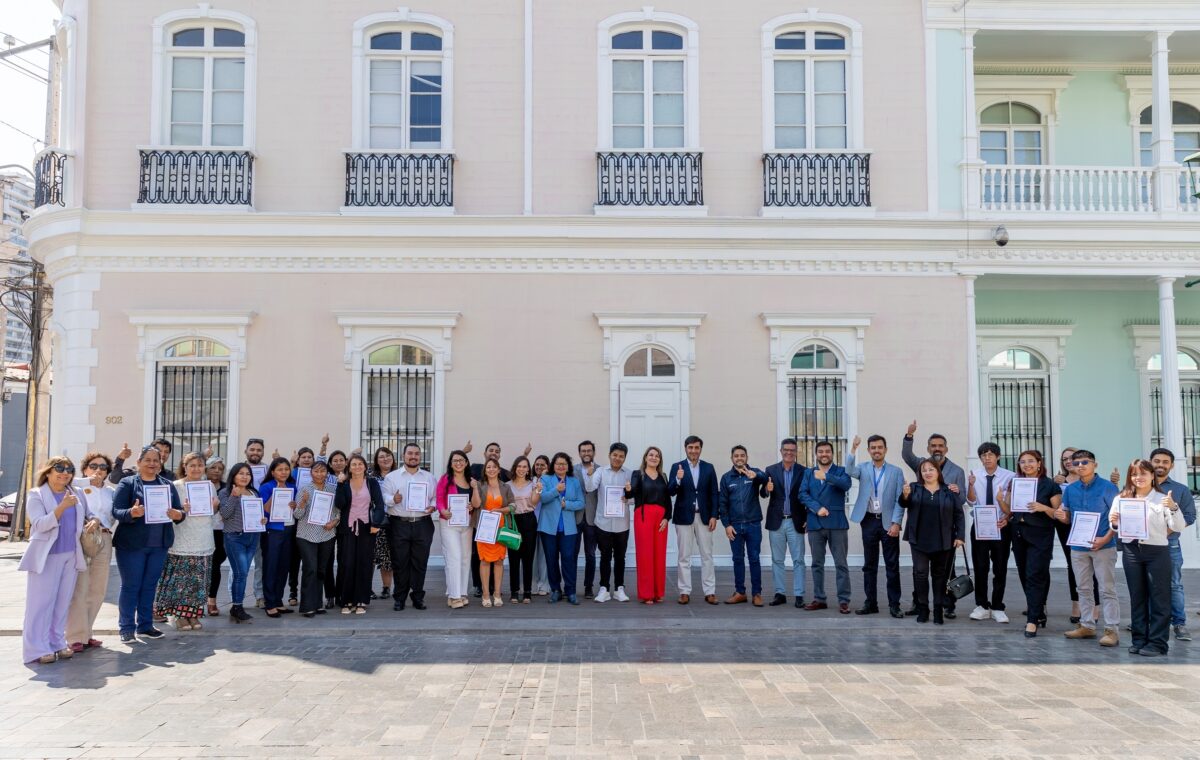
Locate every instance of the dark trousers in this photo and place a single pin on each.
(141, 568)
(330, 577)
(745, 547)
(520, 561)
(410, 541)
(1033, 547)
(357, 566)
(277, 556)
(612, 557)
(875, 538)
(315, 557)
(476, 581)
(925, 564)
(993, 556)
(586, 542)
(293, 576)
(559, 549)
(1148, 575)
(218, 556)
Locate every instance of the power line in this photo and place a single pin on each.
(18, 129)
(35, 77)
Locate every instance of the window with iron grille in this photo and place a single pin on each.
(816, 402)
(191, 398)
(1019, 405)
(398, 403)
(1190, 397)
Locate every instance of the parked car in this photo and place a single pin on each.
(7, 506)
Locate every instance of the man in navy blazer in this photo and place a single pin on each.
(877, 509)
(786, 518)
(823, 492)
(693, 483)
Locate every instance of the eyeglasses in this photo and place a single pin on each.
(101, 466)
(1081, 462)
(61, 468)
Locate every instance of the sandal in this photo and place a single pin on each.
(360, 610)
(497, 601)
(46, 659)
(347, 610)
(213, 610)
(486, 602)
(196, 624)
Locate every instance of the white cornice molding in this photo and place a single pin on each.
(845, 333)
(159, 327)
(625, 331)
(1083, 15)
(431, 330)
(397, 318)
(649, 319)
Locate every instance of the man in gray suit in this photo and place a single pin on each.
(956, 480)
(877, 509)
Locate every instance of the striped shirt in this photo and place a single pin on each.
(314, 533)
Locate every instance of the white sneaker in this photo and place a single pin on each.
(603, 595)
(980, 613)
(621, 596)
(999, 616)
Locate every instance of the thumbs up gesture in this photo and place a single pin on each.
(971, 479)
(1115, 476)
(679, 473)
(770, 485)
(906, 491)
(137, 510)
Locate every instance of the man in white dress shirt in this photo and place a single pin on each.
(984, 486)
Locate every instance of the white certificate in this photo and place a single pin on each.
(614, 505)
(1083, 529)
(417, 498)
(986, 528)
(158, 501)
(1024, 493)
(199, 494)
(258, 472)
(460, 509)
(252, 515)
(280, 511)
(303, 478)
(1133, 519)
(321, 508)
(489, 525)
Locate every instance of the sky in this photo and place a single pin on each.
(22, 98)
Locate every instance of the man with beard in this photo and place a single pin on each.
(823, 492)
(585, 519)
(956, 481)
(254, 451)
(1162, 460)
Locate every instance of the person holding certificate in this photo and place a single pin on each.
(141, 541)
(93, 583)
(1097, 562)
(1144, 515)
(560, 496)
(456, 503)
(316, 523)
(520, 560)
(182, 589)
(651, 496)
(933, 530)
(303, 462)
(612, 523)
(1033, 537)
(277, 540)
(383, 463)
(359, 501)
(214, 468)
(410, 494)
(495, 496)
(241, 541)
(984, 485)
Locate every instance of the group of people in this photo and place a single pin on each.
(316, 528)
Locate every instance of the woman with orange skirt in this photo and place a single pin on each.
(496, 497)
(651, 514)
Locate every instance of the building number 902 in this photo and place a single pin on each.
(114, 420)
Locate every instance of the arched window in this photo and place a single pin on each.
(191, 399)
(649, 362)
(810, 70)
(1011, 133)
(206, 83)
(1187, 362)
(1185, 122)
(1019, 403)
(398, 398)
(405, 90)
(816, 400)
(1015, 359)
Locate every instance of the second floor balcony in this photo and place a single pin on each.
(196, 177)
(650, 180)
(50, 177)
(816, 179)
(382, 179)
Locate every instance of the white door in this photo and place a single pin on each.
(650, 416)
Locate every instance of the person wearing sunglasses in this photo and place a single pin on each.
(54, 559)
(93, 582)
(1097, 563)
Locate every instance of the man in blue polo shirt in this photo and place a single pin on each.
(1093, 494)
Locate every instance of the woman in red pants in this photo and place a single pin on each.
(651, 514)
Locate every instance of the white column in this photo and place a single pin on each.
(974, 425)
(1172, 403)
(1163, 138)
(971, 164)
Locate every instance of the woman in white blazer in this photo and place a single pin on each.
(54, 559)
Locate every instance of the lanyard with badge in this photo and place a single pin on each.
(877, 476)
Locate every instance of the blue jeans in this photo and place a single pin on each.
(1178, 616)
(140, 570)
(560, 560)
(783, 540)
(746, 545)
(277, 557)
(240, 549)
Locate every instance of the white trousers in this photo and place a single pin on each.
(689, 539)
(456, 551)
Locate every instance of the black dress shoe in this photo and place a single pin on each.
(950, 614)
(799, 602)
(419, 605)
(587, 593)
(477, 593)
(911, 612)
(398, 606)
(895, 612)
(1151, 653)
(386, 593)
(867, 609)
(922, 616)
(1134, 649)
(778, 600)
(938, 613)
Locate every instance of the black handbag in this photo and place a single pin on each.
(961, 585)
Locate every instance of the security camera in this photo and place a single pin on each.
(1000, 236)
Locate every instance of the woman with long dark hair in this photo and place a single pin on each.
(561, 496)
(183, 585)
(214, 470)
(493, 495)
(456, 539)
(1033, 537)
(933, 530)
(277, 541)
(314, 541)
(240, 544)
(1064, 477)
(541, 578)
(382, 463)
(520, 560)
(359, 502)
(650, 493)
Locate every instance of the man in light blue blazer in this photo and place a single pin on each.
(877, 509)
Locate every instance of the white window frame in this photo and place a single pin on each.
(816, 22)
(1147, 341)
(1010, 131)
(365, 331)
(1185, 88)
(1041, 93)
(158, 330)
(160, 93)
(649, 20)
(400, 21)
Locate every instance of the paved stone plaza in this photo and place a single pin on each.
(613, 680)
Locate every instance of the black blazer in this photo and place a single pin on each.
(687, 493)
(341, 500)
(775, 505)
(935, 520)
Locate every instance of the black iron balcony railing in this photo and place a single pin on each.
(813, 179)
(649, 178)
(196, 176)
(49, 173)
(400, 180)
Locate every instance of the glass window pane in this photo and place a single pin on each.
(668, 76)
(628, 76)
(789, 109)
(803, 359)
(665, 40)
(830, 137)
(227, 134)
(1027, 157)
(385, 109)
(425, 41)
(188, 38)
(426, 110)
(790, 41)
(227, 107)
(1183, 113)
(1146, 157)
(995, 114)
(1188, 362)
(789, 76)
(790, 138)
(1023, 114)
(426, 76)
(187, 73)
(994, 156)
(627, 41)
(187, 107)
(668, 110)
(668, 137)
(829, 76)
(425, 137)
(386, 137)
(661, 364)
(229, 73)
(635, 365)
(185, 134)
(629, 137)
(388, 41)
(387, 76)
(228, 38)
(825, 359)
(829, 41)
(830, 109)
(628, 109)
(1186, 143)
(1026, 139)
(993, 139)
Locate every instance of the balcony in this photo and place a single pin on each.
(196, 177)
(400, 180)
(810, 179)
(652, 181)
(50, 178)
